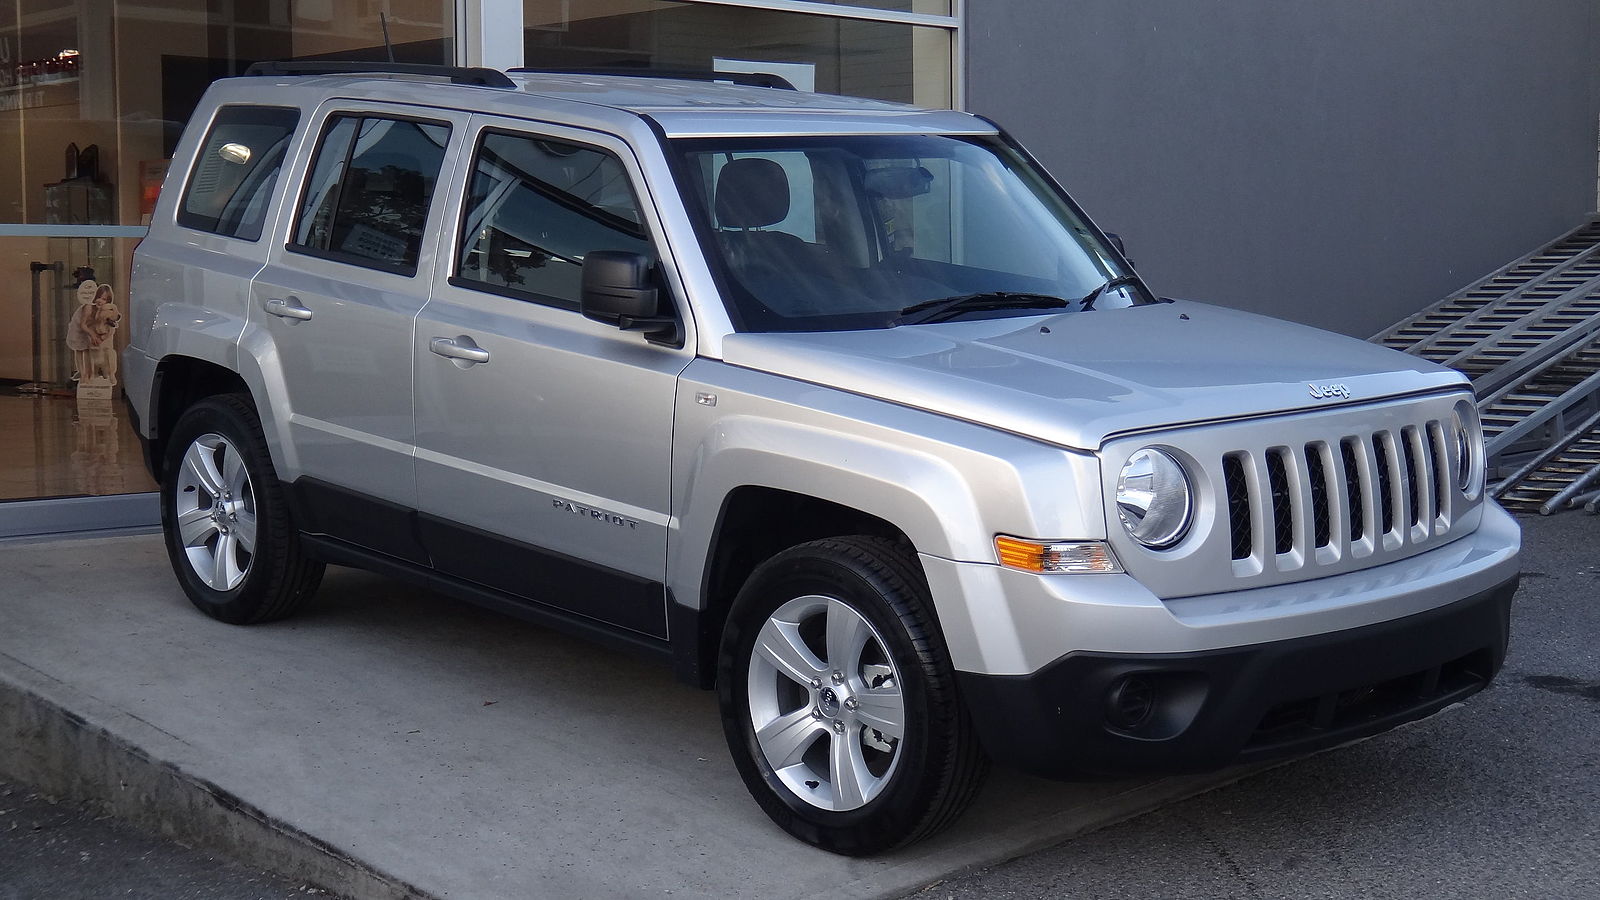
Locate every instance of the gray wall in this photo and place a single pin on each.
(1339, 162)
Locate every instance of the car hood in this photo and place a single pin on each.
(1075, 379)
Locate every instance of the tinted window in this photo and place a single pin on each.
(536, 207)
(231, 185)
(370, 188)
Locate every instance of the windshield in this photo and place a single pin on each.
(852, 232)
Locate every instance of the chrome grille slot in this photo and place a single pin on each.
(1439, 453)
(1318, 475)
(1408, 438)
(1384, 462)
(1352, 482)
(1282, 501)
(1238, 488)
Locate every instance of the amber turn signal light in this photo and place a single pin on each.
(1050, 557)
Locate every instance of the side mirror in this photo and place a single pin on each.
(618, 289)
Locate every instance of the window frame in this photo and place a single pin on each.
(328, 123)
(455, 278)
(181, 214)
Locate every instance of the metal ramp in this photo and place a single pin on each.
(1529, 338)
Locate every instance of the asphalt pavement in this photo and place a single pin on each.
(1498, 797)
(61, 851)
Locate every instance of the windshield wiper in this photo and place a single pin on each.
(946, 307)
(1089, 298)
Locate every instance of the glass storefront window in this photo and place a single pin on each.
(93, 97)
(859, 57)
(927, 7)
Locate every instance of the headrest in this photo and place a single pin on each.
(752, 193)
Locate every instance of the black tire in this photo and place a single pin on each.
(935, 766)
(273, 576)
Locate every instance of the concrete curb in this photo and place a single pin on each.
(69, 745)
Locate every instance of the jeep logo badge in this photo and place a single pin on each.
(1328, 391)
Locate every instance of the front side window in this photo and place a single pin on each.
(231, 185)
(367, 199)
(875, 231)
(535, 208)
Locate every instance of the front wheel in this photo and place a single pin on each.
(228, 530)
(838, 700)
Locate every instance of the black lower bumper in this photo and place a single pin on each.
(1106, 714)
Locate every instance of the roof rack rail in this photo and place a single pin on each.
(478, 75)
(752, 79)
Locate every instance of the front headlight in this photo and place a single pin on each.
(1469, 446)
(1153, 499)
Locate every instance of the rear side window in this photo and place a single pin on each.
(535, 208)
(230, 187)
(366, 202)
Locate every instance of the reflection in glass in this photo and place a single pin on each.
(368, 198)
(236, 170)
(536, 208)
(93, 98)
(886, 61)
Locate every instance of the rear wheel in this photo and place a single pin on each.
(838, 701)
(227, 523)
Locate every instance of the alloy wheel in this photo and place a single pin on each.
(825, 703)
(216, 512)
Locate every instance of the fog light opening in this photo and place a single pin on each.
(1130, 702)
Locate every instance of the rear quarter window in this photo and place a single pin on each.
(232, 182)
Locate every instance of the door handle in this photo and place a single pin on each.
(287, 307)
(459, 348)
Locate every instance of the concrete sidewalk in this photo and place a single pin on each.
(390, 743)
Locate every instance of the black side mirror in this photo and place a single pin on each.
(1116, 241)
(619, 289)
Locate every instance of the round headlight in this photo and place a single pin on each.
(1466, 446)
(1153, 498)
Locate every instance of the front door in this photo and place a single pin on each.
(544, 439)
(338, 300)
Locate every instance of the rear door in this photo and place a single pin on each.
(544, 439)
(339, 298)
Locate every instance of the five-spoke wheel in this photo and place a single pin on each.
(838, 699)
(216, 512)
(829, 725)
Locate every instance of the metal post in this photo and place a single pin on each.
(35, 269)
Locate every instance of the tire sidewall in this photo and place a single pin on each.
(903, 803)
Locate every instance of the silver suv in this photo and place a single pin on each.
(841, 407)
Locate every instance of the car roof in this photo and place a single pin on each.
(682, 107)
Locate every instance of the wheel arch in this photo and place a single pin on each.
(179, 383)
(755, 523)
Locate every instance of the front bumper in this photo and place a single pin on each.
(1211, 708)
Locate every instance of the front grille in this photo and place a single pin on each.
(1368, 494)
